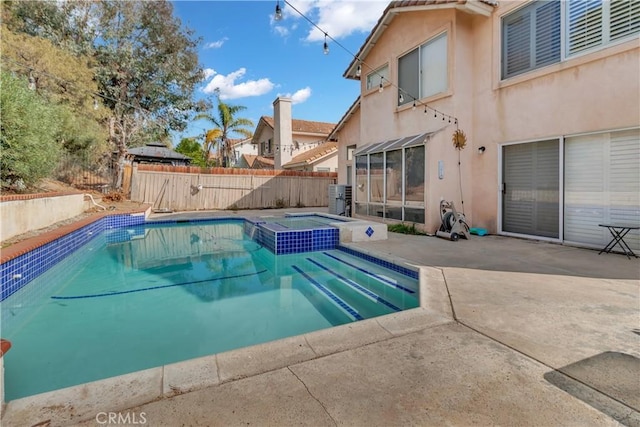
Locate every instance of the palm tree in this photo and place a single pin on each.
(225, 124)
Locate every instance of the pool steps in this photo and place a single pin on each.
(384, 280)
(359, 288)
(334, 299)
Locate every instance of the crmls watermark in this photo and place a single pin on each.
(115, 418)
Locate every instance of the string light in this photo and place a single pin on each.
(425, 109)
(278, 15)
(381, 88)
(401, 99)
(359, 70)
(325, 49)
(414, 105)
(95, 95)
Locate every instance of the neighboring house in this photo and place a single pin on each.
(156, 152)
(284, 139)
(250, 161)
(322, 158)
(547, 93)
(241, 147)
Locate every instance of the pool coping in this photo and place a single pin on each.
(83, 402)
(79, 402)
(24, 246)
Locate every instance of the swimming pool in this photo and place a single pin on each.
(302, 222)
(147, 295)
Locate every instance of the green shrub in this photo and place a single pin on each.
(29, 147)
(405, 229)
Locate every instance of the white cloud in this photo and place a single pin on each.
(338, 18)
(217, 44)
(281, 31)
(229, 89)
(299, 96)
(342, 18)
(208, 73)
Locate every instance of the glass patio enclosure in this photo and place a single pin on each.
(390, 177)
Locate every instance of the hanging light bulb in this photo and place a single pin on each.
(414, 105)
(325, 49)
(32, 81)
(401, 98)
(358, 70)
(435, 114)
(381, 88)
(425, 109)
(278, 15)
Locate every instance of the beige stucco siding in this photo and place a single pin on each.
(593, 92)
(348, 135)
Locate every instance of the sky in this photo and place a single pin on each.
(252, 59)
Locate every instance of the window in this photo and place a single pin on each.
(362, 179)
(269, 147)
(532, 36)
(595, 23)
(381, 75)
(390, 179)
(350, 150)
(423, 72)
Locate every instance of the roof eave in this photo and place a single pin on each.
(311, 160)
(470, 6)
(345, 118)
(301, 133)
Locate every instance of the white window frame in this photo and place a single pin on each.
(601, 37)
(380, 75)
(605, 29)
(406, 97)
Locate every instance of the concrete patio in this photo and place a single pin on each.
(517, 332)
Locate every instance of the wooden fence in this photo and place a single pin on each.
(182, 188)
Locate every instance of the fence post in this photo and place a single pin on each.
(126, 180)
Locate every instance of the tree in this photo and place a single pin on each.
(61, 78)
(29, 133)
(192, 148)
(67, 24)
(226, 123)
(143, 64)
(147, 70)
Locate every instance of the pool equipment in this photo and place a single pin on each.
(340, 199)
(453, 224)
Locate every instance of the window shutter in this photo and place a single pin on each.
(517, 44)
(547, 45)
(584, 24)
(625, 18)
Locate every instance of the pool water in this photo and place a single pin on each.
(175, 292)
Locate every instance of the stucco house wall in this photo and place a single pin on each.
(597, 91)
(383, 119)
(348, 135)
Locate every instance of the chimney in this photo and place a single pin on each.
(282, 133)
